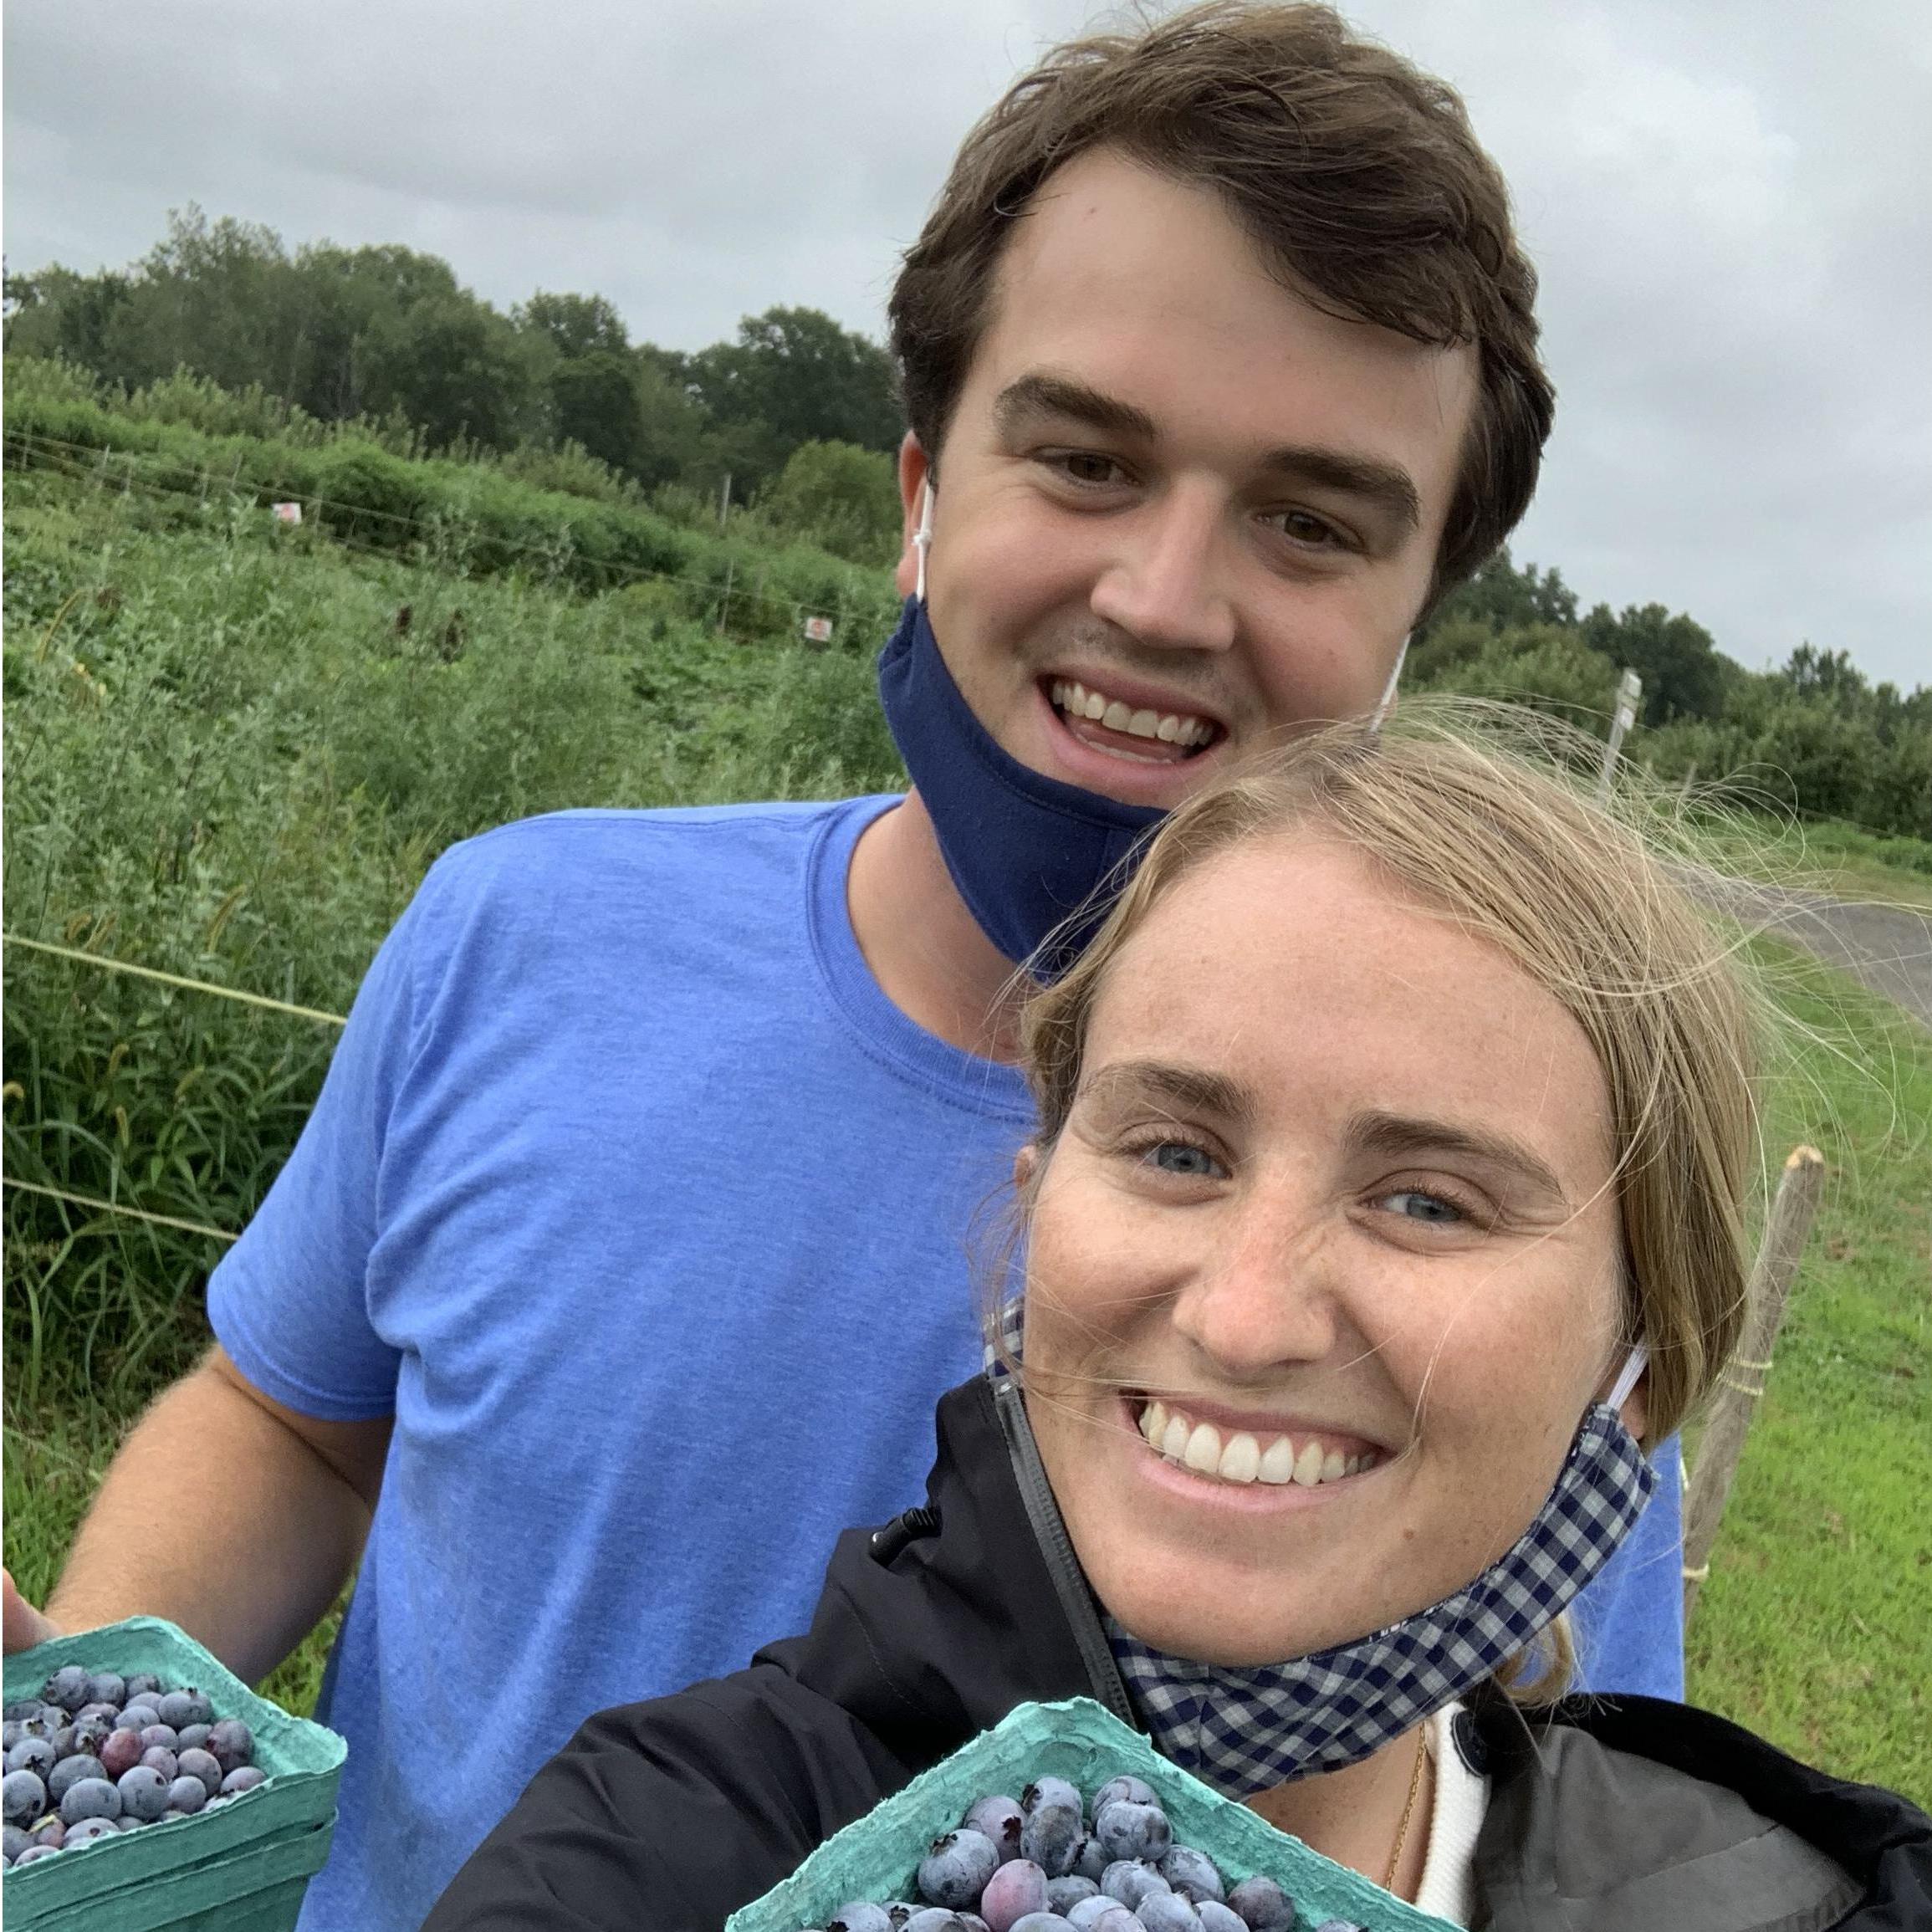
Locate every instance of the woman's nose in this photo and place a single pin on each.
(1268, 1297)
(1164, 585)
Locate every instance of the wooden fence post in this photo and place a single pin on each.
(1742, 1383)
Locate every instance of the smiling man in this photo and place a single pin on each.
(626, 1249)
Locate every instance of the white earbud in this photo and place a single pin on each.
(1386, 702)
(922, 537)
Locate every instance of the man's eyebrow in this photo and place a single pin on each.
(1041, 393)
(1385, 486)
(1170, 1082)
(1389, 1133)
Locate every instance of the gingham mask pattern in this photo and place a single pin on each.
(1243, 1730)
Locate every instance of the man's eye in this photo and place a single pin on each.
(1184, 1158)
(1305, 527)
(1087, 467)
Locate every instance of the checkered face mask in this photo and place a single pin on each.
(1242, 1730)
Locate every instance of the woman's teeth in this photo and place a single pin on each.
(1244, 1458)
(1177, 728)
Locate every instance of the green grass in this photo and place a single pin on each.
(225, 758)
(1814, 1628)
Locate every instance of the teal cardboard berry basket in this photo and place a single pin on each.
(878, 1856)
(242, 1868)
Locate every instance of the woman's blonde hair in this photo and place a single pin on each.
(1507, 846)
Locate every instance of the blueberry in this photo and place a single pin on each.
(231, 1744)
(107, 1687)
(1064, 1893)
(90, 1798)
(243, 1778)
(862, 1915)
(201, 1764)
(1129, 1880)
(20, 1709)
(23, 1797)
(1051, 1791)
(1041, 1922)
(1052, 1835)
(88, 1830)
(67, 1687)
(194, 1734)
(34, 1853)
(1017, 1889)
(93, 1708)
(1135, 1791)
(49, 1831)
(85, 1733)
(1126, 1830)
(13, 1841)
(1001, 1818)
(1091, 1861)
(1262, 1905)
(187, 1795)
(931, 1919)
(162, 1759)
(33, 1754)
(954, 1870)
(144, 1792)
(121, 1752)
(1082, 1916)
(898, 1911)
(141, 1685)
(137, 1717)
(165, 1734)
(71, 1772)
(1193, 1875)
(11, 1733)
(1168, 1912)
(1215, 1917)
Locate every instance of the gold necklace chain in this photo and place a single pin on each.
(1408, 1809)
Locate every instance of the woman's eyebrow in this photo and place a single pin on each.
(1389, 1133)
(1170, 1083)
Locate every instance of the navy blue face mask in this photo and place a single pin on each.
(1025, 851)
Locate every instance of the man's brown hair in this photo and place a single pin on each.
(1357, 176)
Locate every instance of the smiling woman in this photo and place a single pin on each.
(1386, 1195)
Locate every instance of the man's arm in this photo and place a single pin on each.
(228, 1513)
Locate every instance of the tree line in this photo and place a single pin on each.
(388, 336)
(798, 418)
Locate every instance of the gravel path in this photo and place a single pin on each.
(1887, 948)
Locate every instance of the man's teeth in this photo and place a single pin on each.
(1241, 1458)
(1177, 728)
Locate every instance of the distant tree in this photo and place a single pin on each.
(843, 497)
(1683, 676)
(1502, 597)
(794, 376)
(575, 325)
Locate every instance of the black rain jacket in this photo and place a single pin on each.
(1606, 1814)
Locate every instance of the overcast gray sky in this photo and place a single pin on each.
(1729, 203)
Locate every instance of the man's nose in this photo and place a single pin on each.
(1165, 583)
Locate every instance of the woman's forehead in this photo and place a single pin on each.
(1294, 967)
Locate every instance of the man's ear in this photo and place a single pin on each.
(914, 473)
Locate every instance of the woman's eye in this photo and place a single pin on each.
(1183, 1158)
(1412, 1205)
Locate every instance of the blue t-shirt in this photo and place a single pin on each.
(650, 1217)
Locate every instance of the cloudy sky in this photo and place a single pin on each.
(1728, 201)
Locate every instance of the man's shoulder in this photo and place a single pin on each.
(695, 850)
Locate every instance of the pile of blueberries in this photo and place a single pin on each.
(96, 1754)
(1047, 1863)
